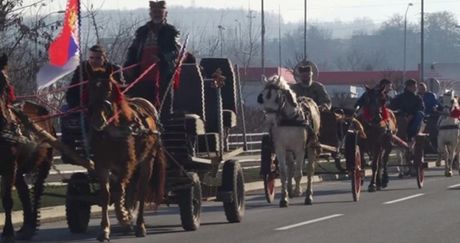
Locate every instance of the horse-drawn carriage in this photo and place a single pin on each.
(339, 134)
(299, 130)
(199, 164)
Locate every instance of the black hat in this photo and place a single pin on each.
(157, 4)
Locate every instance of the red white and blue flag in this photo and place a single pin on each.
(64, 51)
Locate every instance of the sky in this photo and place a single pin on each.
(291, 10)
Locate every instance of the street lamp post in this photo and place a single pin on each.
(405, 42)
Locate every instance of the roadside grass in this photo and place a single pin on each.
(47, 200)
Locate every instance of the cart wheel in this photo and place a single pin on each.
(353, 158)
(269, 187)
(77, 211)
(233, 181)
(190, 204)
(268, 168)
(419, 160)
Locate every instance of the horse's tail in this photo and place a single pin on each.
(158, 178)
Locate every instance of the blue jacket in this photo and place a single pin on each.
(431, 102)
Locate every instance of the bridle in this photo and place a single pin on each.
(282, 101)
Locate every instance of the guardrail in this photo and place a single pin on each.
(253, 141)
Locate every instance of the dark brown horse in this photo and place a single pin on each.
(127, 151)
(21, 153)
(379, 125)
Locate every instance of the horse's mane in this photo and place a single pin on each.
(120, 103)
(279, 82)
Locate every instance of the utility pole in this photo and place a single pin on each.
(422, 61)
(405, 42)
(262, 55)
(279, 40)
(305, 32)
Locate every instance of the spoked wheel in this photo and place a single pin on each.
(269, 187)
(233, 183)
(190, 204)
(353, 158)
(419, 157)
(268, 169)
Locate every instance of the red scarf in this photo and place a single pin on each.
(11, 96)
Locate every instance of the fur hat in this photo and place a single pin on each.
(305, 65)
(158, 4)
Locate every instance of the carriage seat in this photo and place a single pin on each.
(229, 118)
(191, 124)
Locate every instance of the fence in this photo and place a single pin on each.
(253, 141)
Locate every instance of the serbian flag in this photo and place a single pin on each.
(64, 51)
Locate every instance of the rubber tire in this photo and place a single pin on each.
(77, 212)
(419, 155)
(189, 201)
(233, 181)
(353, 160)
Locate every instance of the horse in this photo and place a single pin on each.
(379, 125)
(127, 153)
(448, 132)
(292, 130)
(22, 154)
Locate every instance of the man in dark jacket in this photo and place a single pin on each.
(96, 67)
(155, 42)
(410, 105)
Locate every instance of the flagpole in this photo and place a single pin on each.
(80, 73)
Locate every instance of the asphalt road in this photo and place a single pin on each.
(400, 213)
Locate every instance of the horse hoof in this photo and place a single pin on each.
(400, 175)
(448, 173)
(372, 188)
(140, 231)
(308, 200)
(103, 236)
(284, 203)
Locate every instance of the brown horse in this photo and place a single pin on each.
(379, 125)
(21, 153)
(127, 150)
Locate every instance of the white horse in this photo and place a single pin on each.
(292, 131)
(449, 133)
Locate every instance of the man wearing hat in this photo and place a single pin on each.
(154, 43)
(304, 73)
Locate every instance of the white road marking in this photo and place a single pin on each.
(309, 222)
(404, 198)
(454, 186)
